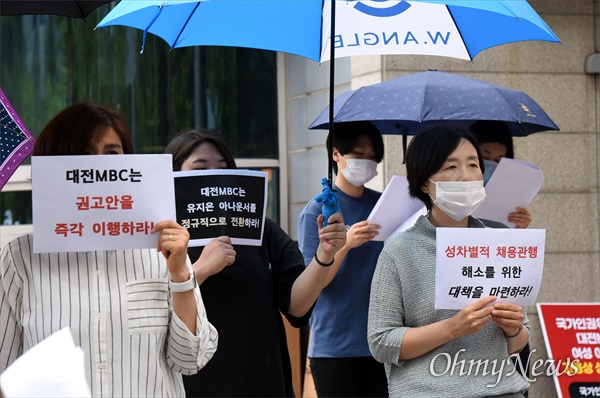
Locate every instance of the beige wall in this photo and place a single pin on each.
(568, 206)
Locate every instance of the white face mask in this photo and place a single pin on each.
(359, 171)
(458, 199)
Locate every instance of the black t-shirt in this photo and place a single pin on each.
(243, 303)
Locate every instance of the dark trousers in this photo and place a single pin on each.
(348, 377)
(524, 358)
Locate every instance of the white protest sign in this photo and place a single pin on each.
(472, 263)
(100, 202)
(229, 202)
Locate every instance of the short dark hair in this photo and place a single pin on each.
(494, 131)
(427, 153)
(345, 136)
(182, 146)
(77, 128)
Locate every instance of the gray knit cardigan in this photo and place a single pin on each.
(402, 296)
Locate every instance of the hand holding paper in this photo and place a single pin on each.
(361, 233)
(513, 184)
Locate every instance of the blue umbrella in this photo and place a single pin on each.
(452, 28)
(16, 142)
(410, 104)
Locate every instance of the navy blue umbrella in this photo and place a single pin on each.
(410, 104)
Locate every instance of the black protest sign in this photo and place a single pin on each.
(212, 203)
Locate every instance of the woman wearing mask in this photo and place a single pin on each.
(340, 361)
(138, 350)
(405, 331)
(247, 288)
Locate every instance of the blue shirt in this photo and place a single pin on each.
(339, 320)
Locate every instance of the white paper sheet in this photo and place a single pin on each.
(52, 368)
(394, 208)
(514, 184)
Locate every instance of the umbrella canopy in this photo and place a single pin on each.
(453, 28)
(16, 143)
(67, 8)
(410, 104)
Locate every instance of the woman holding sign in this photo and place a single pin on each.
(247, 288)
(421, 347)
(137, 314)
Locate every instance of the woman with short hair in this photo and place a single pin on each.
(405, 331)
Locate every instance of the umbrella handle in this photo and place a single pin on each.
(404, 141)
(331, 96)
(329, 200)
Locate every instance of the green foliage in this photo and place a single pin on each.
(49, 62)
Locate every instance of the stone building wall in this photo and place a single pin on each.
(554, 75)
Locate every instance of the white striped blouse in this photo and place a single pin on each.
(118, 306)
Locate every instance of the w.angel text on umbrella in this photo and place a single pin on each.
(390, 39)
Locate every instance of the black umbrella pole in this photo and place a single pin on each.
(331, 92)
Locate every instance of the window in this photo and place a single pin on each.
(49, 62)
